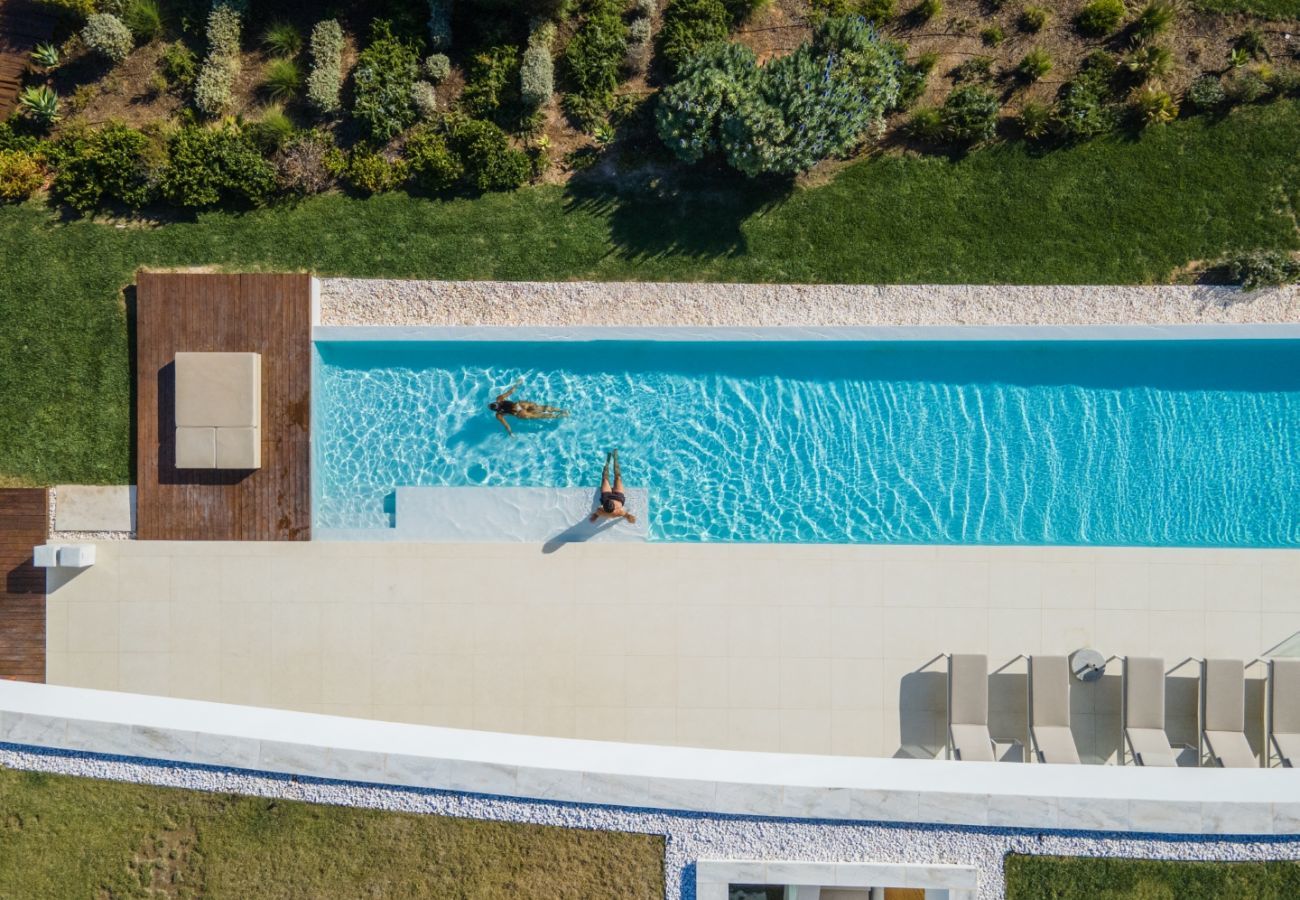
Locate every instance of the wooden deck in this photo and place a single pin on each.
(266, 314)
(23, 25)
(24, 518)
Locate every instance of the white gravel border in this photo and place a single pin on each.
(689, 837)
(357, 301)
(55, 536)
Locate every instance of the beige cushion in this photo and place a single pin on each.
(1286, 695)
(218, 389)
(239, 448)
(1055, 744)
(196, 448)
(1151, 747)
(1231, 750)
(1144, 693)
(1225, 695)
(971, 743)
(1049, 685)
(968, 689)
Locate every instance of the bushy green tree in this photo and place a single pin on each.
(484, 151)
(594, 54)
(785, 117)
(433, 166)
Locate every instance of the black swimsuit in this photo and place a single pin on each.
(506, 407)
(607, 496)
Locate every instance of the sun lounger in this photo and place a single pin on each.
(968, 708)
(1049, 710)
(1284, 710)
(218, 410)
(1144, 712)
(1223, 714)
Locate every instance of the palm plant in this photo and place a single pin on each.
(282, 39)
(41, 103)
(283, 79)
(46, 55)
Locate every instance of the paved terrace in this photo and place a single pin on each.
(801, 648)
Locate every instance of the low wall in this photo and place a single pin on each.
(356, 301)
(1101, 798)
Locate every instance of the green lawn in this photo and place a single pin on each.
(1116, 210)
(78, 837)
(1083, 878)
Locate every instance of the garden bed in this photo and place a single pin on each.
(1087, 878)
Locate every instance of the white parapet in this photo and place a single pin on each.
(1079, 798)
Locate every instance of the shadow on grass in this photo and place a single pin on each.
(683, 213)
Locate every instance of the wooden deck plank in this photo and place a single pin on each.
(24, 518)
(23, 25)
(267, 314)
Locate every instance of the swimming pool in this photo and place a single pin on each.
(1174, 443)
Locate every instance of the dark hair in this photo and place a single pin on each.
(493, 406)
(609, 505)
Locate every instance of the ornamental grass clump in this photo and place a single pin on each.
(107, 36)
(1153, 106)
(384, 80)
(282, 39)
(1033, 19)
(784, 117)
(326, 79)
(1153, 21)
(282, 79)
(1034, 65)
(212, 88)
(1149, 62)
(1099, 18)
(144, 19)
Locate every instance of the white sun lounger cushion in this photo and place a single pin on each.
(972, 743)
(1151, 747)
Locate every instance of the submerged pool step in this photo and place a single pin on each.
(516, 514)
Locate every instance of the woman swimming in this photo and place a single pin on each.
(612, 497)
(522, 409)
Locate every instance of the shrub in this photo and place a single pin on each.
(21, 174)
(491, 81)
(912, 78)
(484, 151)
(1284, 82)
(537, 77)
(595, 53)
(1153, 106)
(371, 172)
(992, 36)
(1153, 21)
(689, 26)
(1263, 268)
(1035, 64)
(178, 65)
(384, 79)
(788, 115)
(440, 25)
(926, 124)
(208, 166)
(437, 66)
(1098, 18)
(432, 164)
(880, 11)
(1033, 18)
(1251, 41)
(1245, 87)
(740, 10)
(300, 164)
(79, 9)
(18, 138)
(425, 98)
(645, 8)
(113, 164)
(282, 79)
(637, 57)
(970, 115)
(46, 56)
(927, 10)
(221, 66)
(1151, 61)
(1035, 120)
(144, 19)
(40, 103)
(326, 78)
(282, 39)
(107, 36)
(1206, 93)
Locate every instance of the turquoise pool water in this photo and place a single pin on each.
(1138, 443)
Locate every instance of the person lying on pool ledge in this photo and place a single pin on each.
(612, 498)
(522, 409)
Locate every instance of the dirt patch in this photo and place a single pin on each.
(168, 863)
